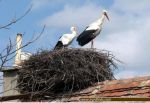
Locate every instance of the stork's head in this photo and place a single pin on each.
(73, 28)
(105, 14)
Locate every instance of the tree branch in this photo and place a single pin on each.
(9, 50)
(14, 20)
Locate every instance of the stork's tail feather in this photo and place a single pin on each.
(59, 45)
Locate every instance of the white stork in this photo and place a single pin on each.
(25, 56)
(66, 39)
(92, 31)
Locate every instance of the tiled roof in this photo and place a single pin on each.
(133, 87)
(9, 69)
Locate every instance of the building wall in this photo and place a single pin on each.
(10, 83)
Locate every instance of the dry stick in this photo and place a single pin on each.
(10, 44)
(4, 60)
(15, 20)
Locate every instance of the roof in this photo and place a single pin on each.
(128, 88)
(9, 69)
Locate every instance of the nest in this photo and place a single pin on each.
(59, 72)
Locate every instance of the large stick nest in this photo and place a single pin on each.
(64, 71)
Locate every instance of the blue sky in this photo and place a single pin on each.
(126, 35)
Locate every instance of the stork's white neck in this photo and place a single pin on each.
(100, 21)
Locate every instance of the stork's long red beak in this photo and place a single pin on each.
(106, 16)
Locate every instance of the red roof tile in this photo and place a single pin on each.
(133, 87)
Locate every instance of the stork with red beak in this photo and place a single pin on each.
(92, 31)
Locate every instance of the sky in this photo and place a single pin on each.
(126, 35)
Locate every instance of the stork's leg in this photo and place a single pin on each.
(92, 44)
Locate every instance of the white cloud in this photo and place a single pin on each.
(72, 15)
(53, 4)
(38, 3)
(126, 74)
(132, 6)
(123, 44)
(130, 74)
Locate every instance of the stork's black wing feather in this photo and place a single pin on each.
(86, 36)
(59, 45)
